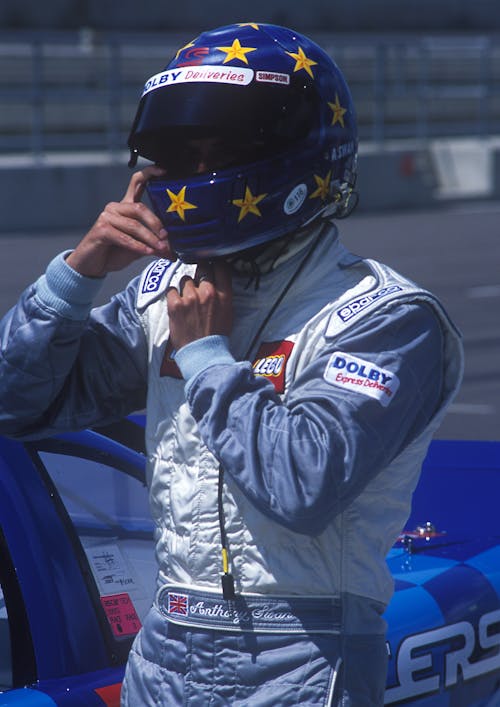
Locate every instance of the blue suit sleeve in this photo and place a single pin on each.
(65, 366)
(301, 461)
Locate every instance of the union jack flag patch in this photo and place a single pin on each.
(178, 604)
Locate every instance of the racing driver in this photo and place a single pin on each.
(291, 387)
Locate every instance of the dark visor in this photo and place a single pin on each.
(259, 113)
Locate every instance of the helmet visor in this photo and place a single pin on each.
(255, 115)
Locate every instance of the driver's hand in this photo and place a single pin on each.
(125, 231)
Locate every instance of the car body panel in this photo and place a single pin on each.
(444, 619)
(44, 560)
(99, 689)
(75, 659)
(27, 697)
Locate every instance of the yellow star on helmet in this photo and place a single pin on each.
(179, 203)
(323, 187)
(236, 51)
(302, 62)
(248, 205)
(248, 24)
(338, 111)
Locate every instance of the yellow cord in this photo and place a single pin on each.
(225, 561)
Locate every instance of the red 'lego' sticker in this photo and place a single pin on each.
(271, 361)
(121, 614)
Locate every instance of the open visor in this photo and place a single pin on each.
(269, 113)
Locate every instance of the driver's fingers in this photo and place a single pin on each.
(186, 286)
(136, 220)
(138, 182)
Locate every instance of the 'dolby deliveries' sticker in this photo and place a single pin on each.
(352, 373)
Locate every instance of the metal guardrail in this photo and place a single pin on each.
(80, 92)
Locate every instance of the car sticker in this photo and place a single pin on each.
(121, 614)
(112, 572)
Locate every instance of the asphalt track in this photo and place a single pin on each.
(453, 250)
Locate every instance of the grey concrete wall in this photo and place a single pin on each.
(395, 179)
(47, 197)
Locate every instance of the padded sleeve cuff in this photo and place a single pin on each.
(198, 355)
(66, 291)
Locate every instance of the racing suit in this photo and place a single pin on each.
(301, 436)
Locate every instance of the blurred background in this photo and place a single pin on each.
(425, 77)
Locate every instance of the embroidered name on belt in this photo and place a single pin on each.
(249, 613)
(271, 361)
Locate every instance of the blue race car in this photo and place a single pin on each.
(444, 619)
(77, 573)
(77, 568)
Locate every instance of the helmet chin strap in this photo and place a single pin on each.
(262, 259)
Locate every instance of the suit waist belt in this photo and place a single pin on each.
(249, 612)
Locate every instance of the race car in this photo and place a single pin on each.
(444, 619)
(77, 572)
(77, 568)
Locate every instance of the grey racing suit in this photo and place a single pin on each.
(312, 419)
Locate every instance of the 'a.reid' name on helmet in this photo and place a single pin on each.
(278, 114)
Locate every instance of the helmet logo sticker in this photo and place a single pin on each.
(179, 203)
(343, 150)
(193, 56)
(302, 62)
(207, 73)
(338, 111)
(248, 205)
(272, 77)
(186, 46)
(295, 199)
(323, 188)
(236, 51)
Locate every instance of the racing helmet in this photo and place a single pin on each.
(278, 115)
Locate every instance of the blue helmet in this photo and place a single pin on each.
(280, 116)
